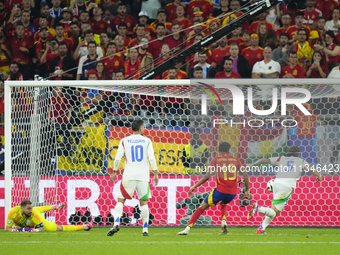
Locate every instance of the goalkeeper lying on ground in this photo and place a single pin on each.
(29, 219)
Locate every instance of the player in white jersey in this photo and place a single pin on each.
(138, 151)
(289, 170)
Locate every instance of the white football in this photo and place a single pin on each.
(270, 185)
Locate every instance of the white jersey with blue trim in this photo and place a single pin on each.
(138, 151)
(289, 169)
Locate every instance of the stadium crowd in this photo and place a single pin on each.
(96, 40)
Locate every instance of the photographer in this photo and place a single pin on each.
(62, 63)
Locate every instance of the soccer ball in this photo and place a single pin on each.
(270, 185)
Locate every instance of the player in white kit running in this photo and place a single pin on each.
(138, 151)
(288, 173)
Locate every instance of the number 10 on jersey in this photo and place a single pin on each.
(137, 153)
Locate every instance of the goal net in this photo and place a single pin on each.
(62, 137)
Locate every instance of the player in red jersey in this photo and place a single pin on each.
(293, 70)
(226, 169)
(227, 73)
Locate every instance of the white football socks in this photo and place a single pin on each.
(145, 217)
(267, 211)
(266, 222)
(118, 213)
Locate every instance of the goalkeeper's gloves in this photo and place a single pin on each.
(27, 229)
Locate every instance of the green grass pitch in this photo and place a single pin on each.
(165, 241)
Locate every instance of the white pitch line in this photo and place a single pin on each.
(159, 242)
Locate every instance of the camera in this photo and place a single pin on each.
(82, 38)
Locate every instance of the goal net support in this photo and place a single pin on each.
(62, 137)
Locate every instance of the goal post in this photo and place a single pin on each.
(62, 137)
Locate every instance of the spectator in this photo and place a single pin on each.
(208, 70)
(21, 48)
(206, 7)
(151, 7)
(165, 54)
(161, 19)
(140, 32)
(335, 73)
(119, 75)
(179, 73)
(292, 30)
(44, 24)
(157, 43)
(110, 9)
(220, 52)
(82, 49)
(3, 13)
(60, 31)
(33, 12)
(14, 73)
(104, 42)
(262, 20)
(175, 41)
(143, 50)
(280, 54)
(84, 18)
(327, 7)
(15, 15)
(286, 19)
(75, 34)
(198, 72)
(147, 65)
(180, 18)
(271, 40)
(332, 50)
(59, 112)
(267, 68)
(149, 30)
(121, 50)
(224, 8)
(62, 63)
(50, 53)
(171, 10)
(66, 15)
(246, 40)
(236, 36)
(55, 12)
(311, 14)
(253, 53)
(318, 36)
(128, 19)
(122, 30)
(227, 73)
(197, 30)
(293, 70)
(213, 25)
(318, 68)
(240, 63)
(100, 69)
(274, 16)
(132, 65)
(303, 48)
(97, 23)
(77, 8)
(88, 62)
(334, 24)
(44, 12)
(30, 29)
(262, 33)
(112, 62)
(5, 53)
